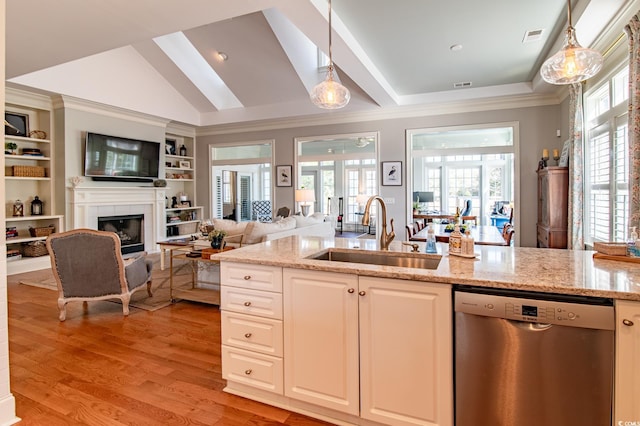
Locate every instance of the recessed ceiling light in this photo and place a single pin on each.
(221, 56)
(455, 47)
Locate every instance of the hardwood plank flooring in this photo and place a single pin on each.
(100, 368)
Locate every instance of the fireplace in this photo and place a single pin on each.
(130, 229)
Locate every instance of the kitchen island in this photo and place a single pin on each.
(369, 344)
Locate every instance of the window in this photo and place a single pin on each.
(339, 166)
(606, 160)
(464, 163)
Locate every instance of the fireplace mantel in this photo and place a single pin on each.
(88, 203)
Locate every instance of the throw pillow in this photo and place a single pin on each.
(256, 230)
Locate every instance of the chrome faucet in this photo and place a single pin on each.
(385, 239)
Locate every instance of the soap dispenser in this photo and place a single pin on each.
(455, 241)
(467, 244)
(431, 240)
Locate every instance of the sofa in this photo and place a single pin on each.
(245, 233)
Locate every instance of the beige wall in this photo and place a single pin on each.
(538, 126)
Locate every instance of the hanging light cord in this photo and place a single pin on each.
(330, 69)
(569, 13)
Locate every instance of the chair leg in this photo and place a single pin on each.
(63, 310)
(125, 303)
(149, 288)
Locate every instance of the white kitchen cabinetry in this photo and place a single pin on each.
(627, 376)
(321, 339)
(251, 321)
(406, 352)
(373, 347)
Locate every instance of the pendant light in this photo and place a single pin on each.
(330, 94)
(573, 63)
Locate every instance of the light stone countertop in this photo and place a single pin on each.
(517, 268)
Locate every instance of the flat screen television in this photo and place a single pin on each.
(116, 158)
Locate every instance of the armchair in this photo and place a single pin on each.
(88, 265)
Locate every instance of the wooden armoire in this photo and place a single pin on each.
(553, 199)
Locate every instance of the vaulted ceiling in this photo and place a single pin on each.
(160, 57)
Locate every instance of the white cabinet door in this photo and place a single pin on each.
(321, 338)
(406, 367)
(627, 383)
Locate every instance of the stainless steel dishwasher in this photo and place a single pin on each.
(524, 359)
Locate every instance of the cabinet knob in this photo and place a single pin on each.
(247, 277)
(351, 290)
(627, 322)
(362, 292)
(247, 335)
(247, 303)
(248, 372)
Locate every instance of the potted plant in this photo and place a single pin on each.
(416, 207)
(12, 146)
(216, 237)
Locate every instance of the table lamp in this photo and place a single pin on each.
(305, 197)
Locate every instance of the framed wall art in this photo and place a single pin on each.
(16, 124)
(283, 176)
(392, 173)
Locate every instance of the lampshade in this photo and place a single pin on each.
(573, 63)
(330, 94)
(305, 195)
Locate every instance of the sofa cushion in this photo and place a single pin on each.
(255, 231)
(233, 229)
(314, 219)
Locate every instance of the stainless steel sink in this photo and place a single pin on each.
(385, 258)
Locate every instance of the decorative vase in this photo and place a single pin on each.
(216, 243)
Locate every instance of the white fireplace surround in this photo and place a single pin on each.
(89, 203)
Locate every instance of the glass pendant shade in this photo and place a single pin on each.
(330, 94)
(572, 64)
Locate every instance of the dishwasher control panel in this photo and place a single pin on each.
(536, 311)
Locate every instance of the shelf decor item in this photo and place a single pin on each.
(35, 249)
(183, 150)
(37, 206)
(28, 171)
(42, 231)
(11, 146)
(16, 124)
(38, 134)
(18, 208)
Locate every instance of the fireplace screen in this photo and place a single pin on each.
(129, 228)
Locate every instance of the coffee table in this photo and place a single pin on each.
(197, 291)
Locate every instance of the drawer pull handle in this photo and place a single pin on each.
(247, 303)
(362, 293)
(247, 277)
(247, 335)
(247, 372)
(350, 291)
(627, 322)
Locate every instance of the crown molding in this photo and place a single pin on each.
(180, 129)
(27, 99)
(64, 101)
(387, 113)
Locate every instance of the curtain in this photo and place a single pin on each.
(575, 236)
(633, 32)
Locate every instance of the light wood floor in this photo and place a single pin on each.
(100, 368)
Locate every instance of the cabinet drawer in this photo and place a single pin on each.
(249, 368)
(256, 277)
(252, 302)
(252, 333)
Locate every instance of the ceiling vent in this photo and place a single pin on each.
(533, 35)
(461, 84)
